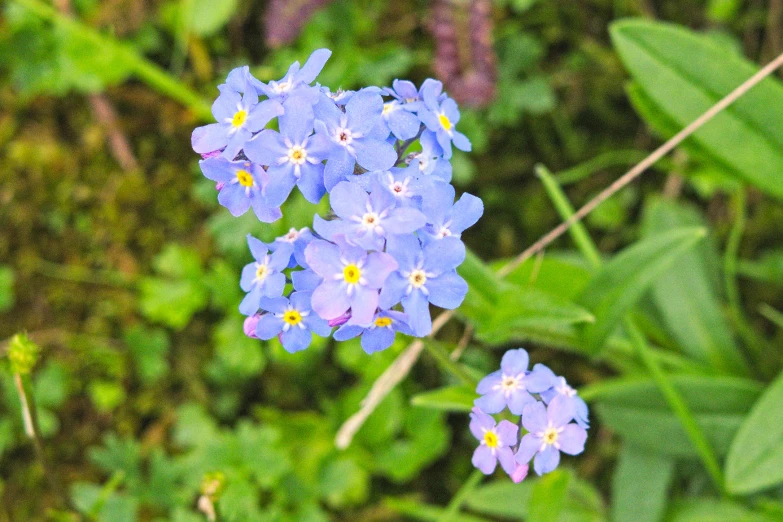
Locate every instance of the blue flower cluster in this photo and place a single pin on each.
(391, 245)
(546, 404)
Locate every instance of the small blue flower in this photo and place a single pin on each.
(241, 185)
(297, 80)
(351, 279)
(446, 218)
(431, 162)
(424, 276)
(399, 121)
(550, 432)
(294, 155)
(380, 334)
(495, 443)
(367, 219)
(292, 321)
(412, 100)
(263, 278)
(511, 385)
(560, 388)
(305, 280)
(238, 117)
(354, 135)
(441, 119)
(299, 239)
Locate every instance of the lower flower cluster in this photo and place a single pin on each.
(552, 418)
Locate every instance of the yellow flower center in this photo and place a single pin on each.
(352, 274)
(245, 178)
(292, 317)
(445, 122)
(239, 118)
(297, 155)
(417, 278)
(550, 436)
(383, 322)
(387, 108)
(491, 439)
(261, 272)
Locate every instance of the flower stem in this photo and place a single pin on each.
(456, 502)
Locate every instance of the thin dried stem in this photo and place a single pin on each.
(397, 371)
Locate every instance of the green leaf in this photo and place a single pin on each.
(687, 294)
(755, 459)
(343, 483)
(149, 348)
(6, 288)
(637, 411)
(640, 486)
(621, 282)
(549, 491)
(685, 74)
(450, 398)
(206, 17)
(714, 510)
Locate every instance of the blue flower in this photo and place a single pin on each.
(441, 119)
(351, 279)
(380, 334)
(399, 121)
(367, 219)
(297, 80)
(431, 162)
(446, 218)
(495, 442)
(560, 388)
(424, 276)
(299, 239)
(305, 280)
(354, 135)
(293, 155)
(412, 100)
(241, 185)
(263, 278)
(550, 432)
(238, 117)
(511, 385)
(292, 321)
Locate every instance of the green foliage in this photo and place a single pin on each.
(745, 138)
(450, 398)
(640, 485)
(6, 288)
(755, 460)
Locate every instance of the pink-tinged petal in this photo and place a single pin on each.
(507, 432)
(515, 362)
(561, 411)
(506, 458)
(364, 303)
(534, 417)
(528, 447)
(484, 460)
(572, 439)
(546, 460)
(520, 472)
(330, 300)
(250, 325)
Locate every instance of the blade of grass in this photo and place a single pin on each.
(459, 498)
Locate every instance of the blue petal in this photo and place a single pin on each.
(465, 213)
(403, 124)
(375, 154)
(250, 303)
(226, 104)
(264, 213)
(305, 280)
(296, 339)
(406, 250)
(444, 255)
(297, 121)
(448, 290)
(262, 114)
(377, 339)
(461, 141)
(546, 460)
(209, 138)
(417, 308)
(437, 202)
(347, 331)
(393, 290)
(268, 326)
(311, 182)
(363, 111)
(348, 200)
(338, 166)
(281, 182)
(218, 169)
(232, 196)
(313, 66)
(265, 148)
(515, 362)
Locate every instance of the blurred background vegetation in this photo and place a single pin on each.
(118, 262)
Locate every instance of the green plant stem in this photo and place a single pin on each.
(639, 343)
(459, 498)
(677, 404)
(578, 231)
(773, 315)
(144, 69)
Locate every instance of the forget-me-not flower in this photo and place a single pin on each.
(297, 80)
(241, 185)
(441, 119)
(263, 277)
(292, 321)
(495, 442)
(560, 388)
(511, 385)
(550, 432)
(380, 334)
(445, 218)
(425, 275)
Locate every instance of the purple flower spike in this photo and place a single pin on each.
(495, 442)
(511, 385)
(351, 279)
(550, 432)
(237, 119)
(291, 321)
(263, 278)
(241, 185)
(424, 276)
(380, 334)
(367, 219)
